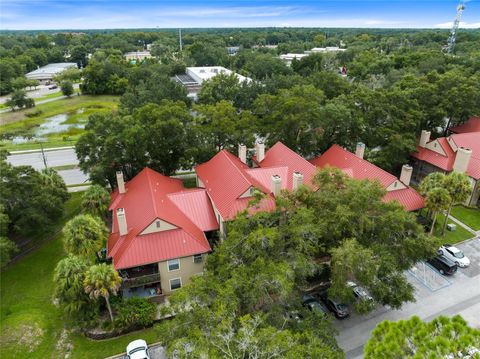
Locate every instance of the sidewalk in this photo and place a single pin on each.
(463, 225)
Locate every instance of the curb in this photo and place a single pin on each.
(39, 150)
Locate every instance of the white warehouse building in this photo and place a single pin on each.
(46, 73)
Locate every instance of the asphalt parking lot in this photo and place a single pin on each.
(457, 294)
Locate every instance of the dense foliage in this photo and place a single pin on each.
(135, 312)
(255, 277)
(443, 337)
(31, 199)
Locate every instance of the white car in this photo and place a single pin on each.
(455, 255)
(359, 292)
(138, 349)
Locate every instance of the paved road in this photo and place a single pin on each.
(54, 158)
(461, 296)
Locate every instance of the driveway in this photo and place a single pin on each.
(459, 294)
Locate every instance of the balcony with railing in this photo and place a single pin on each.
(140, 276)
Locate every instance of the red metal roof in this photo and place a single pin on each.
(159, 246)
(437, 159)
(359, 168)
(407, 197)
(281, 155)
(472, 125)
(469, 140)
(146, 199)
(195, 204)
(352, 165)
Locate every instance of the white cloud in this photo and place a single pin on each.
(465, 25)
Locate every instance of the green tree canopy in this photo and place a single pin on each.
(84, 236)
(95, 201)
(102, 280)
(443, 337)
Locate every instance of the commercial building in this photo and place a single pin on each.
(137, 55)
(458, 152)
(45, 74)
(288, 58)
(196, 76)
(322, 50)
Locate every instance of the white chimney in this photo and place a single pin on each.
(276, 185)
(242, 152)
(406, 174)
(462, 159)
(260, 151)
(297, 180)
(360, 150)
(424, 138)
(122, 222)
(120, 182)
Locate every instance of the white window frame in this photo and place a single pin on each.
(181, 284)
(197, 255)
(168, 264)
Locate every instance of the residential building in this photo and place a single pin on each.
(233, 50)
(458, 152)
(196, 76)
(231, 184)
(355, 166)
(45, 74)
(161, 233)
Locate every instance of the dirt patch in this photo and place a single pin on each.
(24, 336)
(63, 348)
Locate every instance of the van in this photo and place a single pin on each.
(444, 265)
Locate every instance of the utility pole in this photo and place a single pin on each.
(44, 158)
(453, 31)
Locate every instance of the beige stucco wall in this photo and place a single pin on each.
(435, 147)
(187, 269)
(395, 186)
(164, 226)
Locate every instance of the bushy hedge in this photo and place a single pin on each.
(135, 312)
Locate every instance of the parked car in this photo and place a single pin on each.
(444, 265)
(340, 310)
(314, 304)
(455, 255)
(359, 292)
(138, 349)
(53, 87)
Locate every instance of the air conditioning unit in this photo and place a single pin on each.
(451, 227)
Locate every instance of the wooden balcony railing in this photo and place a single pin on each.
(142, 280)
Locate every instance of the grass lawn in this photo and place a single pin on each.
(24, 122)
(467, 215)
(55, 95)
(31, 326)
(451, 237)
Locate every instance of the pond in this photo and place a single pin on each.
(54, 124)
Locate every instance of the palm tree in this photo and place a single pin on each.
(459, 188)
(84, 235)
(102, 280)
(95, 201)
(437, 200)
(68, 278)
(433, 180)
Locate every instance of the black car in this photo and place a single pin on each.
(314, 304)
(444, 265)
(340, 310)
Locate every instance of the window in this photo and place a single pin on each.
(158, 224)
(197, 258)
(175, 283)
(173, 264)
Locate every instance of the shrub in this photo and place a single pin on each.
(135, 312)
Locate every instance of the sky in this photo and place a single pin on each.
(108, 14)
